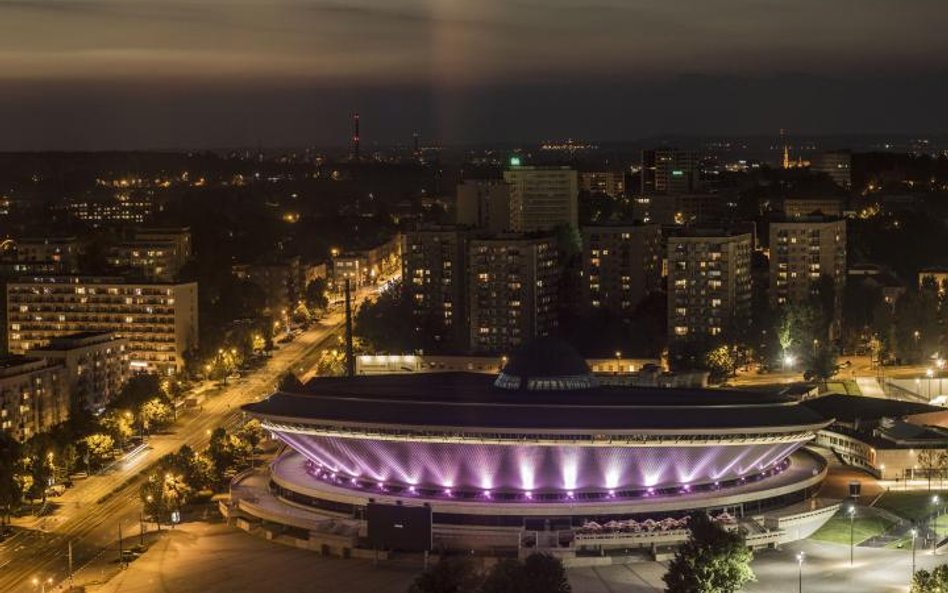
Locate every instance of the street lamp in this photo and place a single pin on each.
(914, 536)
(852, 521)
(935, 501)
(800, 557)
(618, 362)
(41, 584)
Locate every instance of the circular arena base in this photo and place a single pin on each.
(312, 504)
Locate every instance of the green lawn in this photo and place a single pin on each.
(836, 529)
(911, 505)
(847, 386)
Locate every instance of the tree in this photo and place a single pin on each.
(452, 574)
(331, 363)
(713, 560)
(251, 433)
(289, 382)
(118, 423)
(11, 479)
(821, 363)
(139, 389)
(930, 461)
(507, 576)
(545, 574)
(722, 361)
(315, 296)
(935, 581)
(99, 447)
(155, 413)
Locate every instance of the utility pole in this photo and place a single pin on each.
(121, 556)
(350, 355)
(70, 559)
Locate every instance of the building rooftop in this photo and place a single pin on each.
(470, 400)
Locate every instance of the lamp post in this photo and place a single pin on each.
(929, 374)
(618, 362)
(914, 536)
(935, 501)
(41, 583)
(852, 521)
(800, 557)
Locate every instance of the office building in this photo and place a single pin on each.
(95, 366)
(803, 250)
(513, 292)
(484, 204)
(33, 396)
(670, 171)
(610, 183)
(709, 284)
(159, 320)
(837, 164)
(434, 282)
(542, 198)
(621, 265)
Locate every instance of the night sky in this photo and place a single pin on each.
(94, 74)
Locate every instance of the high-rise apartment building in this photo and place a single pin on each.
(434, 281)
(837, 164)
(670, 171)
(95, 366)
(801, 252)
(484, 204)
(513, 291)
(621, 265)
(33, 396)
(542, 198)
(709, 284)
(159, 320)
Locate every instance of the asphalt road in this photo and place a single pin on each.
(89, 515)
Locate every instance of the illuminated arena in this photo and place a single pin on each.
(542, 443)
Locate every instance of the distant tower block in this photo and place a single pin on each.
(417, 149)
(355, 137)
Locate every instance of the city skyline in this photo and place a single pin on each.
(204, 74)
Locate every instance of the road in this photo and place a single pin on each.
(89, 515)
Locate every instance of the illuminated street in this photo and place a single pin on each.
(88, 514)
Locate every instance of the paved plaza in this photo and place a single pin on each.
(202, 558)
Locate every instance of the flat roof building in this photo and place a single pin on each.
(801, 252)
(33, 396)
(542, 198)
(159, 320)
(513, 291)
(434, 282)
(709, 284)
(621, 265)
(95, 366)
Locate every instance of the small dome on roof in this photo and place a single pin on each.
(546, 364)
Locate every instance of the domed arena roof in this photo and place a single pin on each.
(546, 364)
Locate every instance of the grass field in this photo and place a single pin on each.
(911, 505)
(836, 529)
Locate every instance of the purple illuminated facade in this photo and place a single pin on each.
(471, 466)
(542, 431)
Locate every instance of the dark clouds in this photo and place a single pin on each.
(174, 73)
